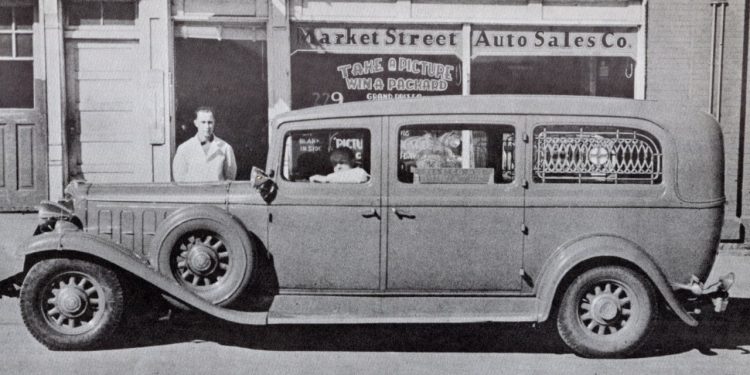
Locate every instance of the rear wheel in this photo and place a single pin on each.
(607, 312)
(71, 304)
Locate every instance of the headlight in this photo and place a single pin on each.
(54, 210)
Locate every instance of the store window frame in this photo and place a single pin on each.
(103, 20)
(14, 57)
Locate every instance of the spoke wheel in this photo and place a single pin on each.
(607, 308)
(201, 260)
(70, 304)
(206, 251)
(607, 312)
(74, 303)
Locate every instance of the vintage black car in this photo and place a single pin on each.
(593, 212)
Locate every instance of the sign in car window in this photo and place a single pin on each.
(320, 79)
(307, 153)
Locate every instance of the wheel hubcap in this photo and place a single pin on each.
(201, 261)
(74, 303)
(606, 309)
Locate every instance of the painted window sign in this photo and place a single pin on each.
(320, 79)
(393, 39)
(555, 41)
(541, 40)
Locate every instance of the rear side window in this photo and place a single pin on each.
(596, 155)
(456, 154)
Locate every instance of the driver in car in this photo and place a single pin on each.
(344, 169)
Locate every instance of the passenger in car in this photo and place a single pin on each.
(310, 164)
(344, 169)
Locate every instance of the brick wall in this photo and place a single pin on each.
(678, 69)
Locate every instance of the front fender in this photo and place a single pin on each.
(99, 247)
(574, 253)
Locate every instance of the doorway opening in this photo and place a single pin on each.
(230, 77)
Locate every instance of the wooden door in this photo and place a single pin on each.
(23, 123)
(23, 170)
(107, 137)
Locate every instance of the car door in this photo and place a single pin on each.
(326, 236)
(455, 212)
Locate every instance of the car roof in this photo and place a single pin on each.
(495, 104)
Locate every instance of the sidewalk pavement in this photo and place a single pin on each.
(15, 228)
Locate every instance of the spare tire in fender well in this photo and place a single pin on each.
(206, 250)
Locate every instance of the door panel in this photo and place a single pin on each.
(108, 135)
(327, 236)
(23, 149)
(456, 235)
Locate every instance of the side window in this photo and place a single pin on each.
(596, 154)
(327, 156)
(456, 154)
(16, 57)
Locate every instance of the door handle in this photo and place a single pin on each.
(401, 214)
(370, 213)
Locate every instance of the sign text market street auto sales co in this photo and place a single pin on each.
(518, 40)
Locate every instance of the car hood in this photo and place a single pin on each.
(191, 193)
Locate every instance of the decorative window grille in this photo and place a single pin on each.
(616, 155)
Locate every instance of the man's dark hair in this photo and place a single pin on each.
(204, 108)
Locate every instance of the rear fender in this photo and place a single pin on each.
(45, 245)
(593, 247)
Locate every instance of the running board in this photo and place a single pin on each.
(310, 309)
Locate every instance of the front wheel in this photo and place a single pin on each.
(607, 312)
(71, 304)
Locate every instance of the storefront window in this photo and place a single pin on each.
(546, 60)
(99, 13)
(321, 79)
(16, 57)
(554, 75)
(344, 63)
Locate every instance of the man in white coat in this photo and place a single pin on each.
(205, 157)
